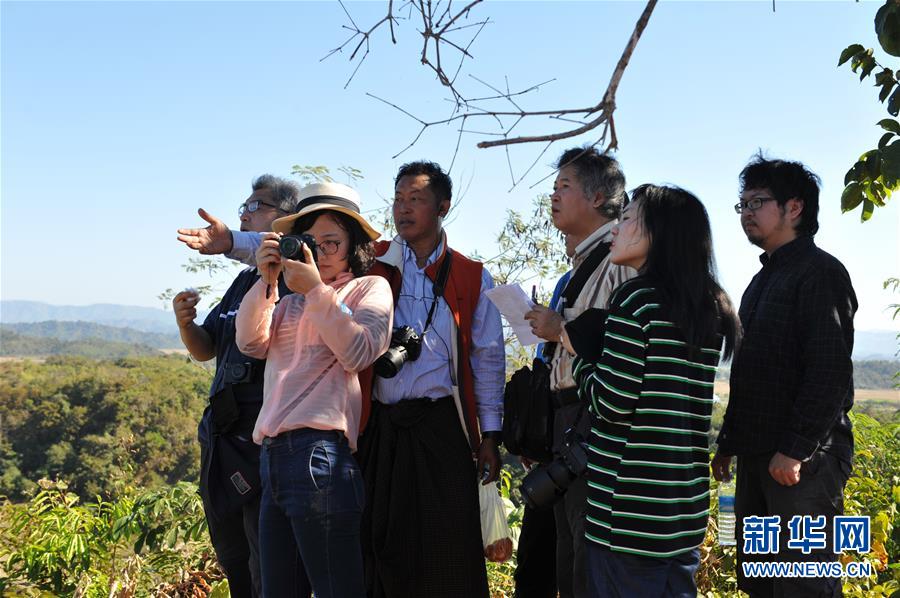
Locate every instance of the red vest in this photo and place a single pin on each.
(461, 294)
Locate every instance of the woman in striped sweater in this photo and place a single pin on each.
(650, 389)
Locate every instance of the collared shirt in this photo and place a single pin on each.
(596, 293)
(431, 374)
(792, 376)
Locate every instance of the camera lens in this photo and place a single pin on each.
(546, 484)
(406, 345)
(291, 247)
(540, 489)
(389, 364)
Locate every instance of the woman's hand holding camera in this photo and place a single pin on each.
(268, 258)
(301, 277)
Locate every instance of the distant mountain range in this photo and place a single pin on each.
(146, 319)
(126, 323)
(875, 344)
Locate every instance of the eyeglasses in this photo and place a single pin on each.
(328, 247)
(252, 206)
(751, 204)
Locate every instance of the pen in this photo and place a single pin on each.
(534, 294)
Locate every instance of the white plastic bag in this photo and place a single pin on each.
(495, 536)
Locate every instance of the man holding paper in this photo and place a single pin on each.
(588, 196)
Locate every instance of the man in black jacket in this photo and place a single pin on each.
(791, 379)
(229, 478)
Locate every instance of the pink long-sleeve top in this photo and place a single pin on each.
(314, 346)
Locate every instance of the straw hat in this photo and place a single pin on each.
(326, 196)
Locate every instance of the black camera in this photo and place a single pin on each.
(406, 345)
(291, 246)
(545, 484)
(238, 373)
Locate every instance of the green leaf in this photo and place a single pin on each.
(873, 163)
(889, 124)
(887, 27)
(893, 106)
(171, 537)
(220, 589)
(851, 175)
(884, 76)
(851, 197)
(890, 162)
(886, 90)
(868, 65)
(868, 210)
(849, 52)
(885, 139)
(875, 193)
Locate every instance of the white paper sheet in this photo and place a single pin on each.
(513, 303)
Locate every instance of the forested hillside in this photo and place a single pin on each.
(92, 423)
(13, 344)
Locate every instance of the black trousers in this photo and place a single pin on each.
(235, 538)
(421, 529)
(535, 574)
(819, 492)
(571, 510)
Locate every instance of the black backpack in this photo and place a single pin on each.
(527, 400)
(528, 413)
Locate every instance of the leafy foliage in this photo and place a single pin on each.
(133, 545)
(876, 174)
(873, 489)
(94, 423)
(309, 174)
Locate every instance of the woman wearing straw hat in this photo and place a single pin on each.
(316, 342)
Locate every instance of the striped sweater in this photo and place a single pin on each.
(650, 404)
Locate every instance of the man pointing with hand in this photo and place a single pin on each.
(229, 478)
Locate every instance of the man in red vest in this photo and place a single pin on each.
(437, 406)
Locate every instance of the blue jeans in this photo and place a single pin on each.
(620, 575)
(310, 512)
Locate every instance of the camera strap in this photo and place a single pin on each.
(576, 284)
(437, 289)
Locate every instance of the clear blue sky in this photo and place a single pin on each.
(119, 119)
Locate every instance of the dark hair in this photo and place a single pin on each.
(598, 173)
(360, 253)
(438, 181)
(680, 261)
(285, 193)
(786, 180)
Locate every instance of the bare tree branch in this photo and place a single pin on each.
(440, 20)
(606, 106)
